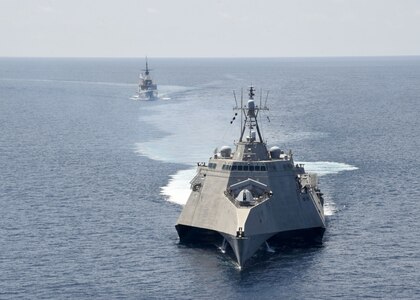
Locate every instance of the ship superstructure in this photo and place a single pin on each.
(253, 197)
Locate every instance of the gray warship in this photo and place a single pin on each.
(252, 198)
(147, 90)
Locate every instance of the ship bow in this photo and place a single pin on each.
(245, 247)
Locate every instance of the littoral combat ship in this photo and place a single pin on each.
(252, 198)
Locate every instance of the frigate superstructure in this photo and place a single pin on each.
(147, 90)
(253, 197)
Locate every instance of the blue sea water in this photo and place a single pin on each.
(91, 181)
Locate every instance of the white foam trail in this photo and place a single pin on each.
(178, 188)
(164, 91)
(327, 167)
(329, 208)
(138, 98)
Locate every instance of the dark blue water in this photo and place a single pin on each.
(82, 167)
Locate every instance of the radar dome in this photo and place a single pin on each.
(275, 152)
(251, 108)
(225, 151)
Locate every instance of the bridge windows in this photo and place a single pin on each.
(212, 166)
(242, 167)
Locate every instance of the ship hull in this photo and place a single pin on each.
(244, 248)
(147, 95)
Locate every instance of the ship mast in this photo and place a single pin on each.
(250, 113)
(146, 71)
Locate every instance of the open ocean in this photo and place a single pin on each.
(92, 182)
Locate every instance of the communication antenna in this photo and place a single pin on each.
(249, 115)
(234, 96)
(266, 98)
(146, 71)
(242, 106)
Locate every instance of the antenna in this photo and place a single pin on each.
(251, 92)
(249, 115)
(146, 71)
(234, 96)
(266, 98)
(242, 107)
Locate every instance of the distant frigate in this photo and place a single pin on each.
(252, 198)
(147, 90)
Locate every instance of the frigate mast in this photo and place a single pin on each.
(250, 113)
(146, 71)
